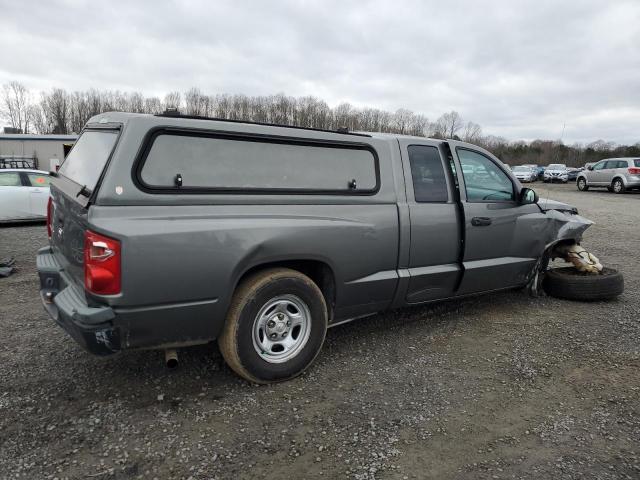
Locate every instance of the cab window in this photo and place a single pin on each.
(39, 180)
(429, 183)
(599, 166)
(484, 180)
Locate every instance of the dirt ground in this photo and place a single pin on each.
(499, 386)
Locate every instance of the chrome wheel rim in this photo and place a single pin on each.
(281, 328)
(617, 186)
(581, 184)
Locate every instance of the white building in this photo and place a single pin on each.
(44, 152)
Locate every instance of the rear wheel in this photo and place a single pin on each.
(275, 326)
(571, 284)
(582, 185)
(617, 186)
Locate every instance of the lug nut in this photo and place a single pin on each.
(284, 334)
(288, 323)
(280, 316)
(273, 335)
(271, 324)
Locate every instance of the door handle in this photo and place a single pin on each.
(37, 190)
(480, 221)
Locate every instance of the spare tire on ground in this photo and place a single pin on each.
(571, 284)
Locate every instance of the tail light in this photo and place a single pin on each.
(101, 264)
(49, 216)
(634, 171)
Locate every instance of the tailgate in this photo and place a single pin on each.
(71, 193)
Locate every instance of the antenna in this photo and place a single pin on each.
(548, 189)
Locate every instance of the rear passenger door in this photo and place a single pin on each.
(38, 186)
(495, 255)
(435, 223)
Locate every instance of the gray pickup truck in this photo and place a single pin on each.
(168, 231)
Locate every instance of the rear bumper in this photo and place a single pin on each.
(103, 330)
(632, 182)
(91, 327)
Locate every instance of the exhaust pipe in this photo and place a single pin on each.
(171, 357)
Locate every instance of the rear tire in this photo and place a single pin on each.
(617, 186)
(570, 284)
(275, 326)
(582, 185)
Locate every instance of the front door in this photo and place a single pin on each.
(598, 176)
(14, 197)
(494, 255)
(434, 253)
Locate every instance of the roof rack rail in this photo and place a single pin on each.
(176, 114)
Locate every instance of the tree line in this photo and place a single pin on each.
(61, 112)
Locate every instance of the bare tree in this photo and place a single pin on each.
(449, 124)
(472, 132)
(172, 100)
(17, 105)
(195, 102)
(55, 108)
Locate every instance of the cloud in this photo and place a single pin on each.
(520, 69)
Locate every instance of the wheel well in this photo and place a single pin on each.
(321, 274)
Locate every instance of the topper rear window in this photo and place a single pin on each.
(88, 157)
(221, 163)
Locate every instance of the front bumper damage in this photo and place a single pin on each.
(560, 228)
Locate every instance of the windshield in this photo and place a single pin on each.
(89, 155)
(557, 166)
(637, 162)
(522, 169)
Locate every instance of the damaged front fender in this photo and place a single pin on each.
(564, 225)
(540, 232)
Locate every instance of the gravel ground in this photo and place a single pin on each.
(499, 386)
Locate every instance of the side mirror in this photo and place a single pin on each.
(528, 196)
(590, 167)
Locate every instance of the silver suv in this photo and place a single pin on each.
(616, 174)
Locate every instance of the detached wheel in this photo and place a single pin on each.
(582, 185)
(617, 186)
(571, 284)
(275, 326)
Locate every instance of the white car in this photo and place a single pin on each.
(556, 172)
(24, 194)
(525, 173)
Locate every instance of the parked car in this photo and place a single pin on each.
(572, 173)
(170, 231)
(537, 168)
(23, 194)
(616, 174)
(525, 173)
(556, 172)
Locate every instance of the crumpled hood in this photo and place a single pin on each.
(547, 204)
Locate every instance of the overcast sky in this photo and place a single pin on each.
(521, 69)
